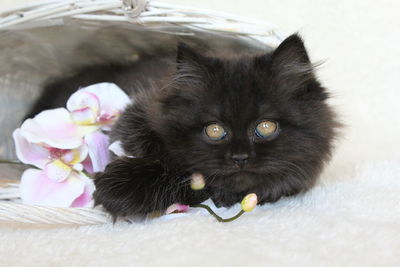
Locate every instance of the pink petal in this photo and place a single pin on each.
(84, 116)
(86, 199)
(38, 189)
(87, 165)
(177, 207)
(99, 154)
(83, 99)
(30, 153)
(57, 170)
(56, 129)
(112, 99)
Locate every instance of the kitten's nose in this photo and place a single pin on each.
(240, 159)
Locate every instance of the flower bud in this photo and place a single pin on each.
(249, 202)
(197, 181)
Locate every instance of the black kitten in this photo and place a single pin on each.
(250, 125)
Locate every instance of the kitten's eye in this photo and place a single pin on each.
(215, 131)
(266, 128)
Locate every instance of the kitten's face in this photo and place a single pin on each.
(250, 125)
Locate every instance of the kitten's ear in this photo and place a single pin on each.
(188, 59)
(291, 55)
(292, 71)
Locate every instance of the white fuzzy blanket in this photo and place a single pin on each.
(351, 218)
(351, 221)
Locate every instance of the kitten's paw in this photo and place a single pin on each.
(129, 186)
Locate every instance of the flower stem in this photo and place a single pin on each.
(3, 161)
(220, 219)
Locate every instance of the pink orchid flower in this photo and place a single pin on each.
(63, 142)
(60, 183)
(57, 163)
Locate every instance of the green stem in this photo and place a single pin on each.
(3, 161)
(220, 219)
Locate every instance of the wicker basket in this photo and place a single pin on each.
(47, 38)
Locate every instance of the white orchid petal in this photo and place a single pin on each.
(84, 116)
(82, 99)
(99, 154)
(57, 170)
(30, 153)
(56, 129)
(86, 199)
(78, 167)
(117, 149)
(38, 189)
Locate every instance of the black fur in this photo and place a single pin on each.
(167, 126)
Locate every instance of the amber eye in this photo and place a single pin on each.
(215, 131)
(266, 128)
